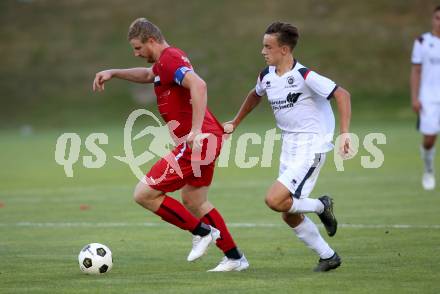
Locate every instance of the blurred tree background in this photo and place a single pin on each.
(51, 49)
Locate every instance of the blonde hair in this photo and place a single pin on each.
(143, 29)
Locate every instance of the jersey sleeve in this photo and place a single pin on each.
(321, 85)
(174, 67)
(417, 56)
(259, 88)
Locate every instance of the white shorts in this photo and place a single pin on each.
(299, 168)
(429, 118)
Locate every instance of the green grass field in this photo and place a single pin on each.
(42, 227)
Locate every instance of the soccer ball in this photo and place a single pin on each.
(95, 259)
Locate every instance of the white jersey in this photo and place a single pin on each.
(426, 52)
(300, 102)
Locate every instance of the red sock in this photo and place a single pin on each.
(214, 218)
(175, 213)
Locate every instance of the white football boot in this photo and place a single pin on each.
(229, 265)
(201, 244)
(428, 181)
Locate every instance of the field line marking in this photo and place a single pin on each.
(234, 225)
(65, 189)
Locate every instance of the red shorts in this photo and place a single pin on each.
(183, 166)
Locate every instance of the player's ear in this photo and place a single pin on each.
(150, 40)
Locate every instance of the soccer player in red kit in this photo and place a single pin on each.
(182, 98)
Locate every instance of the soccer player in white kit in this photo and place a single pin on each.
(425, 93)
(299, 99)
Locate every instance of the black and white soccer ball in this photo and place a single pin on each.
(95, 259)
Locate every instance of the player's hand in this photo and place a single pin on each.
(100, 78)
(191, 136)
(416, 106)
(345, 146)
(195, 138)
(229, 127)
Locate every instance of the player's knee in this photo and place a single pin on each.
(138, 196)
(273, 202)
(428, 143)
(142, 194)
(188, 203)
(192, 205)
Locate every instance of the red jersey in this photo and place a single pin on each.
(173, 100)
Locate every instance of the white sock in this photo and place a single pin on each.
(308, 232)
(306, 205)
(428, 158)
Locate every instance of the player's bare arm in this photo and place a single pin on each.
(416, 72)
(343, 102)
(138, 75)
(250, 102)
(199, 98)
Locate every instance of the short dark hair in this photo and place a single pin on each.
(143, 29)
(437, 8)
(286, 33)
